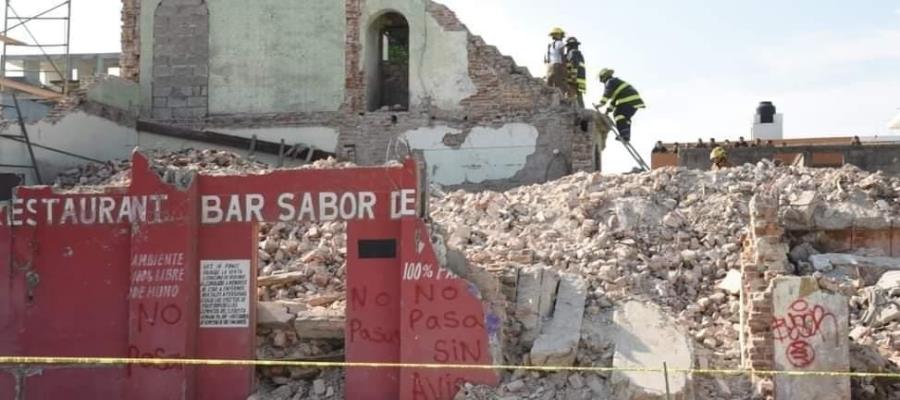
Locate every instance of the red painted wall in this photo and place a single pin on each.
(132, 284)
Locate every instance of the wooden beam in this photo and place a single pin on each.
(10, 41)
(34, 90)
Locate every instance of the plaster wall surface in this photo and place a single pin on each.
(78, 133)
(438, 59)
(486, 153)
(276, 56)
(118, 93)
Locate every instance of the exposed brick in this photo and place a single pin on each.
(130, 59)
(505, 93)
(181, 59)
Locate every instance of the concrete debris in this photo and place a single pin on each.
(320, 324)
(889, 281)
(558, 343)
(646, 338)
(671, 237)
(273, 315)
(117, 172)
(535, 291)
(732, 282)
(827, 262)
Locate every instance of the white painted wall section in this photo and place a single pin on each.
(78, 132)
(319, 137)
(438, 59)
(487, 153)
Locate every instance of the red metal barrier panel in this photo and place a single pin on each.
(373, 309)
(228, 265)
(8, 320)
(163, 295)
(443, 322)
(169, 270)
(69, 267)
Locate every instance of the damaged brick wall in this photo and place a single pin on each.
(505, 93)
(180, 60)
(764, 258)
(130, 59)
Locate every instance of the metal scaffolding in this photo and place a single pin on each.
(17, 33)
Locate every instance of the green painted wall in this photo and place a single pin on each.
(148, 9)
(276, 56)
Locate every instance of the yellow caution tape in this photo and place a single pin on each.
(103, 361)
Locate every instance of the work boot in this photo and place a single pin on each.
(624, 138)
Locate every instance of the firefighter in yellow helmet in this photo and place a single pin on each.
(719, 158)
(557, 75)
(624, 101)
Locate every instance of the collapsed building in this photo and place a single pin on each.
(706, 270)
(365, 81)
(757, 268)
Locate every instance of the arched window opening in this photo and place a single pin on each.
(387, 66)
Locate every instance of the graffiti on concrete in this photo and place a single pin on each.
(801, 323)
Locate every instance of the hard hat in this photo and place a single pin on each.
(718, 153)
(557, 31)
(606, 73)
(572, 41)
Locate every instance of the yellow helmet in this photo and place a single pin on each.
(557, 31)
(606, 73)
(718, 153)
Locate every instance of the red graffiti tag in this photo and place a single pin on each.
(800, 353)
(801, 323)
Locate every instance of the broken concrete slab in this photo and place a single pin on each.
(646, 338)
(273, 315)
(535, 290)
(819, 342)
(320, 324)
(558, 343)
(829, 261)
(732, 282)
(889, 280)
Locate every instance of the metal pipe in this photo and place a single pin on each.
(47, 56)
(26, 19)
(68, 43)
(666, 373)
(5, 25)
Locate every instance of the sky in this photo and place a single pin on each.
(832, 67)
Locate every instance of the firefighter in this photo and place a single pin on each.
(577, 71)
(556, 60)
(624, 100)
(719, 158)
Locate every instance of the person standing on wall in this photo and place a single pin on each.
(556, 60)
(577, 71)
(624, 101)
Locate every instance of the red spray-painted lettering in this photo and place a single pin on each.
(801, 323)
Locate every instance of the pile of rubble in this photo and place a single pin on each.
(117, 172)
(670, 238)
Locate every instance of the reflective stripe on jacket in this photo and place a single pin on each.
(620, 93)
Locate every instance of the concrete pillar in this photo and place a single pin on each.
(811, 331)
